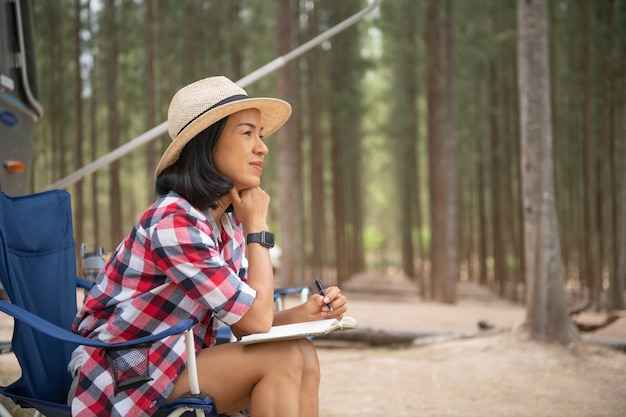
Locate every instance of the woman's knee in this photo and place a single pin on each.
(308, 361)
(311, 361)
(298, 355)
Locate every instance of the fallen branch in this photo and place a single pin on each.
(377, 338)
(591, 327)
(374, 337)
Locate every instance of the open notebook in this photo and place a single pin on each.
(299, 330)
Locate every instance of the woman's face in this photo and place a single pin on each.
(240, 151)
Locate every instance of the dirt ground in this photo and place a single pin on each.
(469, 373)
(458, 370)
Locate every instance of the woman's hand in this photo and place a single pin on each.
(316, 305)
(251, 208)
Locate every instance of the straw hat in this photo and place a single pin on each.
(198, 105)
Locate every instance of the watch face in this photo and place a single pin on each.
(268, 239)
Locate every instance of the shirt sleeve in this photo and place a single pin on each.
(183, 249)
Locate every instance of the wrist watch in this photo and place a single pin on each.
(264, 238)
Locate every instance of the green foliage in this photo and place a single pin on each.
(373, 239)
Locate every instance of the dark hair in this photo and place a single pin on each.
(193, 176)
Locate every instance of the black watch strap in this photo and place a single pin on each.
(264, 238)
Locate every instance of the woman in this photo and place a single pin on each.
(185, 258)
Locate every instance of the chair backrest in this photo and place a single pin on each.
(38, 271)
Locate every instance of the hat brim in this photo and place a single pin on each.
(274, 113)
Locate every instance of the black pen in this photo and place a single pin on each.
(322, 291)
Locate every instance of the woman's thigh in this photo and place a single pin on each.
(229, 372)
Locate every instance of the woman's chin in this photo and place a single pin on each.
(248, 185)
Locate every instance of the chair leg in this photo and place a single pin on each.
(192, 370)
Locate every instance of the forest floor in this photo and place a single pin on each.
(455, 369)
(461, 370)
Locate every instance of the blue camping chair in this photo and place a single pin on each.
(38, 271)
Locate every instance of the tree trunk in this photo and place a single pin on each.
(94, 215)
(150, 94)
(55, 112)
(440, 164)
(610, 199)
(482, 232)
(318, 206)
(449, 281)
(592, 260)
(497, 234)
(546, 316)
(113, 128)
(301, 214)
(287, 155)
(78, 197)
(436, 189)
(191, 36)
(616, 300)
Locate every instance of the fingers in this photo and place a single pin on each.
(251, 207)
(235, 198)
(337, 301)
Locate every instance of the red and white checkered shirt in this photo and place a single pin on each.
(174, 265)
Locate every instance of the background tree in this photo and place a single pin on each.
(401, 24)
(80, 138)
(113, 121)
(361, 201)
(316, 253)
(438, 161)
(617, 296)
(546, 317)
(289, 158)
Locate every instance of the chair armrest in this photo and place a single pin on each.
(279, 293)
(284, 291)
(84, 283)
(60, 333)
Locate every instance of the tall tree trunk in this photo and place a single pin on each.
(318, 206)
(483, 233)
(78, 197)
(344, 128)
(592, 262)
(300, 214)
(609, 198)
(438, 165)
(497, 234)
(399, 23)
(113, 128)
(287, 154)
(191, 36)
(96, 238)
(511, 176)
(616, 300)
(437, 203)
(546, 316)
(150, 94)
(55, 111)
(449, 281)
(336, 152)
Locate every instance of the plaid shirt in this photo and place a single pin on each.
(172, 266)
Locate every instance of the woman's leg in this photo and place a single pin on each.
(274, 379)
(309, 403)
